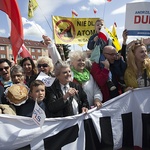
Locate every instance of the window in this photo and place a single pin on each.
(10, 56)
(32, 50)
(3, 56)
(39, 51)
(2, 48)
(33, 56)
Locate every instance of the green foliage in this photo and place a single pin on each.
(66, 49)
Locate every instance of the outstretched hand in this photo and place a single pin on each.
(124, 35)
(46, 39)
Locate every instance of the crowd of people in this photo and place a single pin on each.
(80, 83)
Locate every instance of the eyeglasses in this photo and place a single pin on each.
(17, 75)
(42, 65)
(112, 54)
(6, 68)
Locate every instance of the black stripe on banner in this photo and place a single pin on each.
(146, 131)
(61, 139)
(106, 132)
(127, 142)
(91, 139)
(25, 148)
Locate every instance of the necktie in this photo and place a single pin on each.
(65, 89)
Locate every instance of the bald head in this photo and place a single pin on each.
(109, 48)
(110, 53)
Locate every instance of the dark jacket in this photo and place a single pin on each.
(26, 109)
(91, 43)
(1, 93)
(100, 75)
(56, 104)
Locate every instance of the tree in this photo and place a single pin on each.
(64, 50)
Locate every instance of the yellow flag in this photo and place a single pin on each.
(31, 8)
(114, 38)
(114, 30)
(114, 33)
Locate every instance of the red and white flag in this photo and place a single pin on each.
(109, 0)
(94, 10)
(23, 52)
(74, 13)
(115, 24)
(10, 7)
(103, 34)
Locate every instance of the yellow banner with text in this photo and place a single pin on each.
(73, 30)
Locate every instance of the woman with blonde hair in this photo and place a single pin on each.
(83, 77)
(137, 73)
(45, 64)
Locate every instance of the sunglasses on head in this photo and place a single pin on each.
(6, 68)
(42, 65)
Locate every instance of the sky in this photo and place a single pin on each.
(41, 23)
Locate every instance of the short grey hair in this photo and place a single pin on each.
(73, 55)
(59, 65)
(16, 69)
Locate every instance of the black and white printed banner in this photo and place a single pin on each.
(123, 122)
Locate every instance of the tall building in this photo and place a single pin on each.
(36, 48)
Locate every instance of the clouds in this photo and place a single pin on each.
(84, 8)
(119, 10)
(32, 29)
(48, 7)
(96, 2)
(138, 1)
(122, 9)
(2, 31)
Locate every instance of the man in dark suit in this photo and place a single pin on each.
(64, 97)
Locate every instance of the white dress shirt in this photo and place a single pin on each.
(64, 89)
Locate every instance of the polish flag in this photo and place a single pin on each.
(23, 52)
(115, 24)
(103, 34)
(95, 10)
(108, 0)
(74, 12)
(11, 8)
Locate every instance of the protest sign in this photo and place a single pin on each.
(137, 20)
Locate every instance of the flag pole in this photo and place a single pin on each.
(104, 9)
(46, 19)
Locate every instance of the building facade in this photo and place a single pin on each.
(35, 48)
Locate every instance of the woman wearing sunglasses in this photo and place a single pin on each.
(45, 65)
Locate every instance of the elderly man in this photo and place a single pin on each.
(116, 65)
(64, 97)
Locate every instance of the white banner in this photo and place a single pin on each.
(137, 20)
(122, 122)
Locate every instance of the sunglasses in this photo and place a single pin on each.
(42, 65)
(6, 68)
